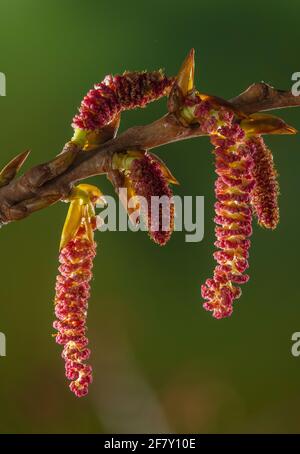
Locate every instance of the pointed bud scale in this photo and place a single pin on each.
(9, 172)
(73, 289)
(185, 77)
(183, 85)
(261, 123)
(83, 197)
(72, 223)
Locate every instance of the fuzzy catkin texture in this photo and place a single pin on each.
(118, 93)
(233, 219)
(71, 304)
(264, 197)
(233, 211)
(148, 181)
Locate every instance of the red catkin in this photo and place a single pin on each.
(71, 304)
(233, 219)
(148, 181)
(233, 187)
(118, 93)
(264, 196)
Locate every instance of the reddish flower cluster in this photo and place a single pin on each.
(264, 197)
(118, 93)
(233, 212)
(233, 215)
(71, 303)
(246, 184)
(148, 181)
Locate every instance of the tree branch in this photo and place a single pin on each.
(262, 96)
(47, 183)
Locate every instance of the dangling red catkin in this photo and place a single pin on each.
(71, 304)
(233, 216)
(233, 211)
(264, 196)
(148, 181)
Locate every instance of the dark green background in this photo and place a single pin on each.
(161, 363)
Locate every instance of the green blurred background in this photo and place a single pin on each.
(161, 363)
